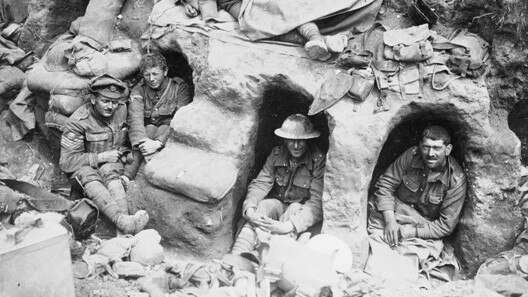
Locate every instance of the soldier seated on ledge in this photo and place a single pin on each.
(93, 150)
(285, 198)
(418, 202)
(153, 103)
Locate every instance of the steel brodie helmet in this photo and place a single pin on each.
(297, 126)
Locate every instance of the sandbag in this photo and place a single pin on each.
(85, 60)
(55, 120)
(66, 101)
(202, 176)
(54, 59)
(41, 80)
(11, 78)
(99, 20)
(121, 64)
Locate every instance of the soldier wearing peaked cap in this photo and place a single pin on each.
(92, 150)
(286, 196)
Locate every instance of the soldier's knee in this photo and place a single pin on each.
(110, 171)
(87, 174)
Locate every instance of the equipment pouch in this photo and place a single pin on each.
(363, 82)
(353, 58)
(469, 54)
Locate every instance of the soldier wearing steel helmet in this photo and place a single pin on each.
(285, 198)
(92, 150)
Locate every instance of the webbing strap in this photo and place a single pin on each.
(421, 79)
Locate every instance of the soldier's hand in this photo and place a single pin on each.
(190, 11)
(391, 233)
(277, 227)
(253, 218)
(407, 231)
(109, 156)
(149, 147)
(125, 181)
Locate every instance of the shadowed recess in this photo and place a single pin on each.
(283, 98)
(517, 120)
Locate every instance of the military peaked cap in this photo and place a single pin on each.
(108, 86)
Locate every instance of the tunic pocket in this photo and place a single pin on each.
(411, 184)
(301, 186)
(96, 141)
(167, 108)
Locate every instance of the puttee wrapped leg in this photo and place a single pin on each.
(129, 224)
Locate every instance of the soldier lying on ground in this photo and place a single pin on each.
(285, 198)
(420, 196)
(92, 149)
(317, 46)
(154, 101)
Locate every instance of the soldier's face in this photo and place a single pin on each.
(296, 147)
(434, 152)
(106, 107)
(154, 77)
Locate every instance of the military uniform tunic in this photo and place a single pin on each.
(151, 111)
(439, 200)
(85, 135)
(303, 184)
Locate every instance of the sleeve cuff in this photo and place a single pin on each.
(421, 232)
(383, 206)
(246, 207)
(94, 161)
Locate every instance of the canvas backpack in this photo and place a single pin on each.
(469, 53)
(408, 45)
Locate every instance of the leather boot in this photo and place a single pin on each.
(129, 224)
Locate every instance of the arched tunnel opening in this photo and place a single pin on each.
(517, 120)
(282, 98)
(179, 67)
(408, 133)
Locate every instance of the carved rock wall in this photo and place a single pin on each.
(244, 91)
(231, 80)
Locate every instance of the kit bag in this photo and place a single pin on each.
(408, 45)
(469, 54)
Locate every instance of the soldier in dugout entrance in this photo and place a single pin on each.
(286, 196)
